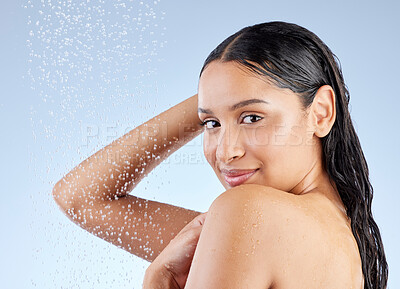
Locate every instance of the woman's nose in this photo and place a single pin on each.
(229, 145)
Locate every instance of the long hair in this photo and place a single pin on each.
(293, 57)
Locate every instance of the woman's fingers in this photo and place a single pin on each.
(201, 218)
(178, 255)
(196, 222)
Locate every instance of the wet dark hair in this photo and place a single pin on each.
(293, 57)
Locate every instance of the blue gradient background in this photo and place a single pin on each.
(58, 106)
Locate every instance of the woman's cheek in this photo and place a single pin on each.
(261, 137)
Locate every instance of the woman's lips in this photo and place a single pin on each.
(235, 179)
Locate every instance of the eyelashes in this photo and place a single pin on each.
(249, 116)
(205, 123)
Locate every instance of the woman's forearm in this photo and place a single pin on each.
(116, 169)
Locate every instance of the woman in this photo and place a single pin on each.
(296, 212)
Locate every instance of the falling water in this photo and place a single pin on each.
(92, 64)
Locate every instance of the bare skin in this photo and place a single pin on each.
(268, 238)
(171, 268)
(95, 194)
(290, 183)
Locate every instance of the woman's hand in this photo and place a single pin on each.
(175, 260)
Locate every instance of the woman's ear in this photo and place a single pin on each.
(323, 110)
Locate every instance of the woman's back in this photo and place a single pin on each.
(290, 241)
(330, 258)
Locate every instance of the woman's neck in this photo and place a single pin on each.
(317, 181)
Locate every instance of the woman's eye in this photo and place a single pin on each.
(252, 118)
(210, 123)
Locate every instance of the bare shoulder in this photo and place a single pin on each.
(231, 251)
(253, 194)
(306, 242)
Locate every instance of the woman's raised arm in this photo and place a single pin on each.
(95, 196)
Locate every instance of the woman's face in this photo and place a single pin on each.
(255, 126)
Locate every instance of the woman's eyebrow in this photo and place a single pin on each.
(236, 106)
